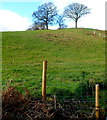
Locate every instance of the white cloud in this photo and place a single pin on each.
(53, 27)
(11, 21)
(61, 4)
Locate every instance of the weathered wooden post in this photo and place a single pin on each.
(97, 101)
(94, 32)
(44, 80)
(99, 34)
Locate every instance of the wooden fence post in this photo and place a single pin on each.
(97, 101)
(44, 80)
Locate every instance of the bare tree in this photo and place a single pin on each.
(60, 21)
(46, 13)
(40, 25)
(37, 26)
(76, 11)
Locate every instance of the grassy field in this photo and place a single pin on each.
(76, 60)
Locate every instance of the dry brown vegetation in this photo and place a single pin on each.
(17, 106)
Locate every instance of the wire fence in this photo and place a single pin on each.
(74, 81)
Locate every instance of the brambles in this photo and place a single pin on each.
(14, 104)
(17, 106)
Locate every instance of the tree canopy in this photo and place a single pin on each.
(76, 11)
(60, 22)
(46, 13)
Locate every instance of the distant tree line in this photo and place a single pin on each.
(47, 14)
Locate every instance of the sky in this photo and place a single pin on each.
(16, 15)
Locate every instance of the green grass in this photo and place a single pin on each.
(73, 55)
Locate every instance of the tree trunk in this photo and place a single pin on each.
(47, 25)
(76, 23)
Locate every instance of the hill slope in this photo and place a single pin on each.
(73, 55)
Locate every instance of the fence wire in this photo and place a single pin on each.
(64, 80)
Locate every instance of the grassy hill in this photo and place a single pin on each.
(76, 59)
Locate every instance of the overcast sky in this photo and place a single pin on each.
(17, 15)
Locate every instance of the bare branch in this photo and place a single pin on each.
(46, 13)
(76, 11)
